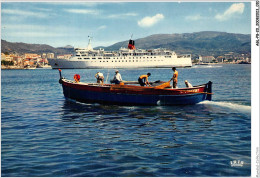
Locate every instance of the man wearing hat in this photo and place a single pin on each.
(117, 78)
(188, 84)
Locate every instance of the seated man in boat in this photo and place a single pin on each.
(77, 78)
(117, 78)
(143, 79)
(188, 84)
(100, 77)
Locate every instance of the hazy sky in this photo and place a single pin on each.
(60, 24)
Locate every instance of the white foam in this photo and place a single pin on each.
(233, 106)
(206, 66)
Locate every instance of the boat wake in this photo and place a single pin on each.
(233, 106)
(206, 66)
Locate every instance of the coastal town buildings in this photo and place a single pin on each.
(65, 56)
(50, 55)
(26, 59)
(206, 59)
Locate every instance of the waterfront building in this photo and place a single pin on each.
(31, 56)
(2, 56)
(220, 59)
(60, 56)
(8, 58)
(206, 59)
(65, 56)
(50, 55)
(44, 55)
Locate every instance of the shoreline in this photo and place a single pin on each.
(21, 68)
(49, 67)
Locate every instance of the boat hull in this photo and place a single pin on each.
(160, 62)
(132, 96)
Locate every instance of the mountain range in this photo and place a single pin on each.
(198, 43)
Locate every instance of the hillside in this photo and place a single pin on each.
(22, 48)
(199, 43)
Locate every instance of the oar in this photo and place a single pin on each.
(107, 75)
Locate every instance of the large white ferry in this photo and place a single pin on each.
(124, 58)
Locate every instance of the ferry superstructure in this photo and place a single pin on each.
(124, 58)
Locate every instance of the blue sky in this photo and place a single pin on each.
(70, 23)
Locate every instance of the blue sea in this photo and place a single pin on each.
(46, 135)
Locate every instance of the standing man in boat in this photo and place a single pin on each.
(100, 77)
(117, 78)
(174, 77)
(143, 79)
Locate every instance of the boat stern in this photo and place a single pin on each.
(209, 91)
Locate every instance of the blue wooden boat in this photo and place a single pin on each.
(134, 95)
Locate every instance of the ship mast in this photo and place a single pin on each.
(89, 43)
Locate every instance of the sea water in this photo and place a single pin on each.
(46, 135)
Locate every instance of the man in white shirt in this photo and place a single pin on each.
(188, 84)
(100, 77)
(117, 78)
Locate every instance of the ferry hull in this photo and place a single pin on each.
(84, 64)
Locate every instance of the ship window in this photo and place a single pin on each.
(77, 55)
(99, 58)
(136, 60)
(129, 57)
(93, 58)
